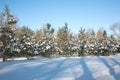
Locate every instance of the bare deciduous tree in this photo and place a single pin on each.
(115, 28)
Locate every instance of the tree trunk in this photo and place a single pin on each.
(4, 58)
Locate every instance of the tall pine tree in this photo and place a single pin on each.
(7, 34)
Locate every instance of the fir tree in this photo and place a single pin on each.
(7, 34)
(46, 44)
(27, 43)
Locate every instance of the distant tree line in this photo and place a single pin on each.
(23, 42)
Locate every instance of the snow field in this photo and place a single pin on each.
(63, 68)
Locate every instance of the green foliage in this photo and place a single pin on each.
(7, 34)
(47, 43)
(26, 31)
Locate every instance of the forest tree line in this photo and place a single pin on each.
(23, 42)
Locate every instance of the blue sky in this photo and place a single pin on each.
(77, 13)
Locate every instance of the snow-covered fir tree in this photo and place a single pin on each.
(62, 39)
(27, 43)
(7, 35)
(46, 45)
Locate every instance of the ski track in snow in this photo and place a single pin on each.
(63, 68)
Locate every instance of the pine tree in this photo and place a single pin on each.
(7, 34)
(38, 35)
(101, 33)
(27, 43)
(62, 39)
(46, 44)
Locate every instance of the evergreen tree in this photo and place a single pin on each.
(81, 34)
(46, 44)
(27, 43)
(81, 42)
(7, 34)
(101, 33)
(38, 35)
(62, 39)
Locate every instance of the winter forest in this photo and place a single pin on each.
(21, 41)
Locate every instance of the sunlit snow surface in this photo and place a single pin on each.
(62, 68)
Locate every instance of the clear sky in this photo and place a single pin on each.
(77, 13)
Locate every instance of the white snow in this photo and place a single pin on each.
(48, 47)
(62, 68)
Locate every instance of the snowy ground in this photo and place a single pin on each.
(62, 68)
